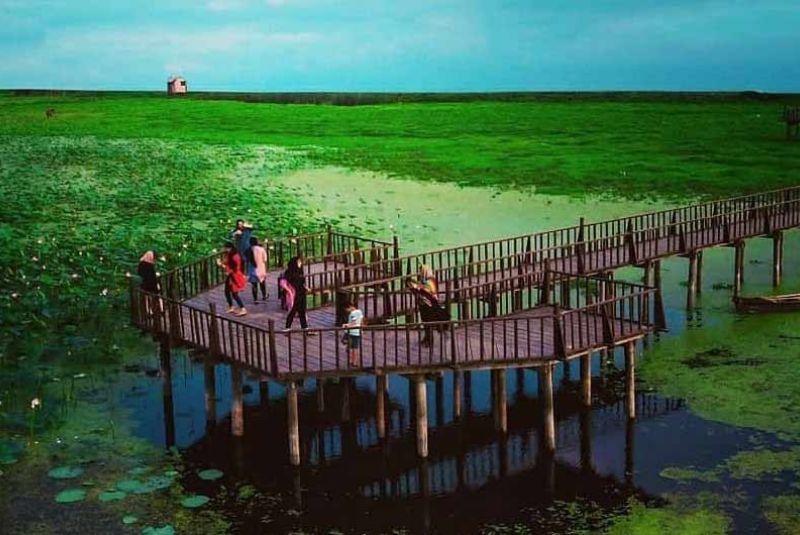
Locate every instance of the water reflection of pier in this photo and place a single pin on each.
(471, 457)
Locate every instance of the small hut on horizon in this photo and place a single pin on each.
(176, 85)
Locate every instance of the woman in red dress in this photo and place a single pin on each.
(236, 281)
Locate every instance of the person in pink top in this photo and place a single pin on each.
(257, 261)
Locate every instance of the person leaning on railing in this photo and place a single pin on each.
(149, 283)
(426, 288)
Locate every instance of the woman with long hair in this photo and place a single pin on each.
(426, 288)
(257, 269)
(294, 277)
(235, 281)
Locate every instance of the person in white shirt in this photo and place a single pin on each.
(355, 320)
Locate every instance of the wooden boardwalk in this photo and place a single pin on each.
(526, 301)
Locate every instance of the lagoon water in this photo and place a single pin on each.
(474, 478)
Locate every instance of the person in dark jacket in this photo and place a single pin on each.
(296, 278)
(147, 272)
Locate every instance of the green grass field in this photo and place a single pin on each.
(635, 148)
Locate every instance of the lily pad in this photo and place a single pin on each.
(71, 496)
(163, 530)
(211, 474)
(130, 485)
(112, 496)
(65, 472)
(129, 519)
(139, 470)
(155, 483)
(193, 502)
(10, 451)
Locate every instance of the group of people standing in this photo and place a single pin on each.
(246, 260)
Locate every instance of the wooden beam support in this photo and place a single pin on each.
(320, 395)
(169, 403)
(293, 416)
(777, 258)
(548, 408)
(458, 380)
(630, 379)
(738, 266)
(210, 383)
(237, 404)
(660, 318)
(586, 380)
(381, 386)
(421, 402)
(500, 401)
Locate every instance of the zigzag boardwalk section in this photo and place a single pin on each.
(527, 301)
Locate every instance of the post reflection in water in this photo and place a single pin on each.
(492, 463)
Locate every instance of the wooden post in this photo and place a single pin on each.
(263, 392)
(320, 395)
(631, 241)
(500, 401)
(691, 286)
(169, 404)
(237, 406)
(381, 382)
(468, 391)
(630, 379)
(586, 379)
(629, 450)
(421, 399)
(213, 332)
(345, 383)
(544, 297)
(660, 318)
(699, 276)
(647, 273)
(777, 257)
(457, 387)
(586, 440)
(581, 248)
(396, 254)
(273, 353)
(549, 419)
(738, 277)
(209, 377)
(294, 424)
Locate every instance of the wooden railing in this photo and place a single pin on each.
(554, 332)
(330, 249)
(588, 247)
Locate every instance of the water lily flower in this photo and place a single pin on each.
(35, 403)
(74, 275)
(104, 292)
(14, 295)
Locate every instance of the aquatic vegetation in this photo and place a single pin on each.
(71, 496)
(193, 502)
(129, 519)
(558, 147)
(643, 520)
(688, 474)
(111, 496)
(163, 530)
(783, 512)
(763, 463)
(65, 472)
(210, 474)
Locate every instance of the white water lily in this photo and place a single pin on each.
(104, 292)
(35, 403)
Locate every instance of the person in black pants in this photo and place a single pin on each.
(294, 275)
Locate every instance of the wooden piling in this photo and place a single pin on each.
(320, 395)
(210, 380)
(294, 424)
(237, 405)
(630, 379)
(586, 440)
(421, 402)
(586, 380)
(457, 388)
(777, 258)
(381, 382)
(738, 264)
(263, 392)
(500, 401)
(699, 275)
(345, 383)
(660, 318)
(169, 403)
(548, 409)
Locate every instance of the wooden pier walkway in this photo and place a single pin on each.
(526, 301)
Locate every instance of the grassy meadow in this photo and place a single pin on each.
(638, 147)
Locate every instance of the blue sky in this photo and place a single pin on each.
(402, 45)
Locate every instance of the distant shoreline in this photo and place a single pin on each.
(366, 98)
